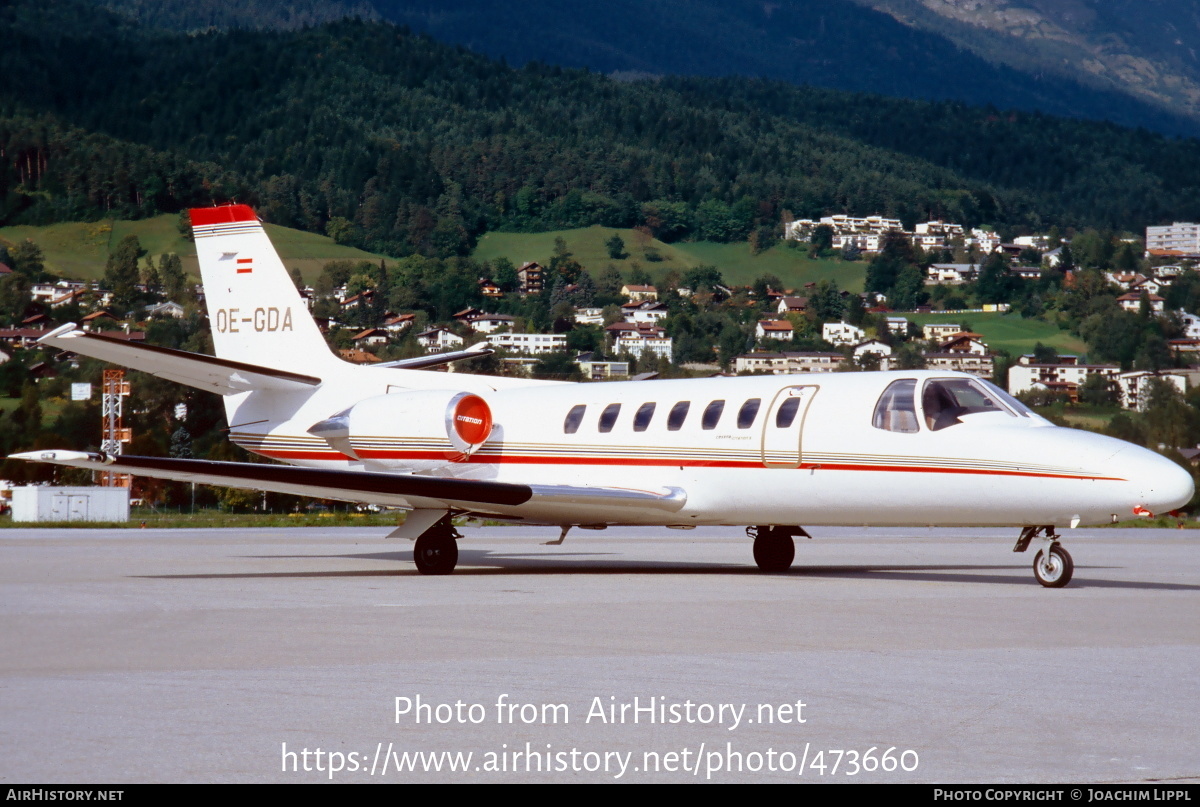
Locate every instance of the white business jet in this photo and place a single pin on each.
(780, 453)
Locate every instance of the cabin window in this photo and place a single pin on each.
(945, 400)
(748, 413)
(608, 417)
(642, 418)
(787, 413)
(574, 418)
(678, 414)
(712, 415)
(897, 408)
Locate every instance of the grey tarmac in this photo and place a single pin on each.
(209, 655)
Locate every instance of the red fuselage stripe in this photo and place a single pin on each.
(447, 456)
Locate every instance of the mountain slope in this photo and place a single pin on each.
(1149, 49)
(273, 15)
(825, 43)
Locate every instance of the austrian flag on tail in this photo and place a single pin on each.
(245, 266)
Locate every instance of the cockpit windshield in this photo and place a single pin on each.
(946, 400)
(1013, 404)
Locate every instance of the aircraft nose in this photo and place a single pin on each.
(1160, 485)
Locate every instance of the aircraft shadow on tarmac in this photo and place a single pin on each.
(482, 562)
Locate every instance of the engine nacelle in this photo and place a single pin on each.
(437, 425)
(468, 421)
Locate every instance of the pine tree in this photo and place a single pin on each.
(121, 273)
(181, 444)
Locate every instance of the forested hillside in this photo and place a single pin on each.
(839, 44)
(399, 144)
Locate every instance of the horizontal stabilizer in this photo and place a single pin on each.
(398, 490)
(416, 363)
(194, 369)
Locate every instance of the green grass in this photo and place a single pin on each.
(738, 266)
(586, 244)
(309, 252)
(1081, 415)
(51, 408)
(789, 264)
(76, 249)
(1011, 332)
(80, 249)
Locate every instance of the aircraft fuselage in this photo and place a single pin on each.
(832, 463)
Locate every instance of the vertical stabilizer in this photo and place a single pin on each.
(256, 314)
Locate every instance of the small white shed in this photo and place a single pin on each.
(43, 503)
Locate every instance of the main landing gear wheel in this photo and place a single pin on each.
(1054, 571)
(774, 550)
(436, 552)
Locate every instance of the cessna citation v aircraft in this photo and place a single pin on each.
(779, 453)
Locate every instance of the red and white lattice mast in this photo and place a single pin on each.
(114, 433)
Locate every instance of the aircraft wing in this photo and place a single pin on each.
(194, 369)
(394, 490)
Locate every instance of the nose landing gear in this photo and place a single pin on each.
(1052, 566)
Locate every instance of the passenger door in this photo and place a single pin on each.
(783, 427)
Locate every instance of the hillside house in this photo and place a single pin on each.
(788, 362)
(874, 346)
(644, 311)
(1066, 377)
(842, 333)
(640, 338)
(792, 305)
(531, 344)
(637, 293)
(940, 331)
(436, 340)
(1133, 302)
(530, 277)
(774, 329)
(1133, 389)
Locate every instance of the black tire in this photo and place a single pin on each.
(1060, 570)
(774, 552)
(435, 552)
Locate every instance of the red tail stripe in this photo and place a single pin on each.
(226, 214)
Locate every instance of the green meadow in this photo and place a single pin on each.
(80, 249)
(1010, 332)
(737, 264)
